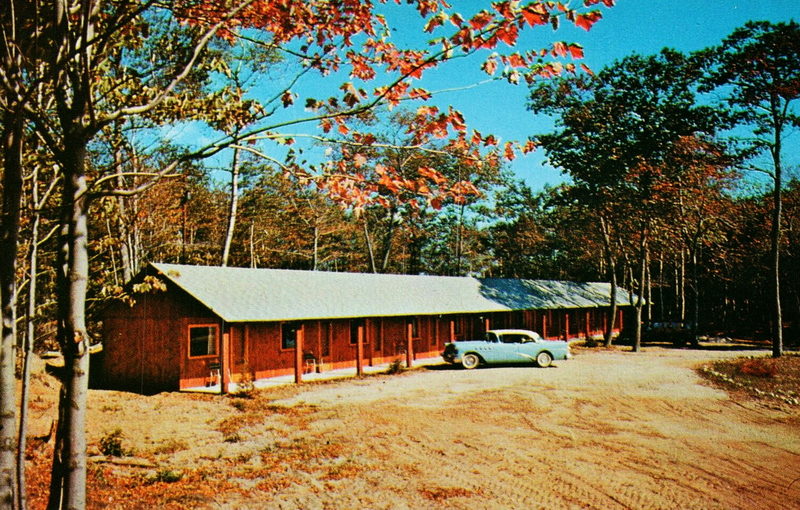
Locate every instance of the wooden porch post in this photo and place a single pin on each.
(566, 325)
(453, 330)
(360, 350)
(588, 327)
(369, 341)
(544, 325)
(298, 355)
(486, 324)
(409, 344)
(225, 363)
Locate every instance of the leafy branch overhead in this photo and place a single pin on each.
(356, 40)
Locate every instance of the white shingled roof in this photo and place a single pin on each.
(262, 295)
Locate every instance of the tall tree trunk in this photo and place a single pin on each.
(611, 263)
(643, 256)
(695, 293)
(73, 338)
(252, 245)
(661, 284)
(387, 241)
(649, 287)
(315, 255)
(234, 205)
(122, 213)
(368, 241)
(29, 339)
(9, 236)
(460, 239)
(777, 206)
(682, 287)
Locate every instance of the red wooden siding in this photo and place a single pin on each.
(146, 347)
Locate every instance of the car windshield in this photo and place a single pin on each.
(491, 337)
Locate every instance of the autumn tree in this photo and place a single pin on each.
(544, 234)
(406, 181)
(14, 97)
(615, 130)
(287, 224)
(757, 69)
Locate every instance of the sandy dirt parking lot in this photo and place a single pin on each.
(606, 430)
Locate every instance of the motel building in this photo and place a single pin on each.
(207, 328)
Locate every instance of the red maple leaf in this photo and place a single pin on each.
(535, 14)
(575, 50)
(559, 49)
(585, 21)
(480, 20)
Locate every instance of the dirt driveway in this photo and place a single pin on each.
(604, 430)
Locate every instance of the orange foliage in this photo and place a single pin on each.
(759, 367)
(326, 28)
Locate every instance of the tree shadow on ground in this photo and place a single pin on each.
(721, 345)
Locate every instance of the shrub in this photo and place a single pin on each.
(232, 438)
(395, 367)
(245, 383)
(165, 476)
(111, 444)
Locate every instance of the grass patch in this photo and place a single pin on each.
(776, 379)
(347, 469)
(441, 494)
(255, 410)
(169, 446)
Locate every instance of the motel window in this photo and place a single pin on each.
(354, 325)
(289, 335)
(202, 341)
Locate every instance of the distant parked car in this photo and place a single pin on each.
(679, 333)
(506, 346)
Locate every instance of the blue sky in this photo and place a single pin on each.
(632, 26)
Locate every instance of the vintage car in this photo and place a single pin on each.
(506, 346)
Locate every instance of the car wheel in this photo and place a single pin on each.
(543, 359)
(470, 361)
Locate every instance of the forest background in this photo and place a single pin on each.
(254, 134)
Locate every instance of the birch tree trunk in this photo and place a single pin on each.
(370, 250)
(232, 210)
(33, 263)
(695, 292)
(122, 226)
(12, 144)
(73, 273)
(643, 257)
